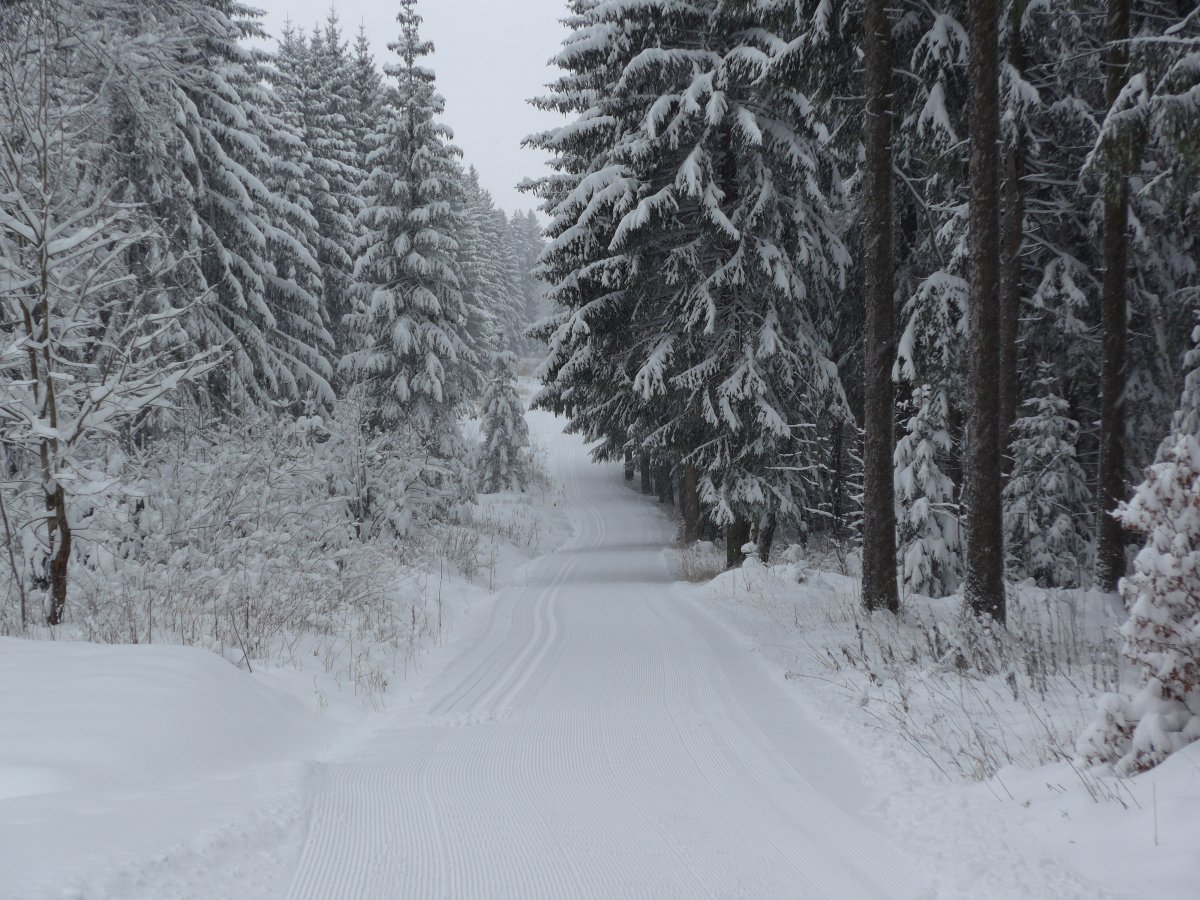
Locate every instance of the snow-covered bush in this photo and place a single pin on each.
(1162, 635)
(1046, 500)
(504, 456)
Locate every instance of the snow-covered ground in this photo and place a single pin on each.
(592, 728)
(969, 770)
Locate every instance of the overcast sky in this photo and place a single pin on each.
(490, 57)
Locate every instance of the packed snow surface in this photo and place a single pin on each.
(598, 739)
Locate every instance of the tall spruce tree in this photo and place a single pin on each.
(197, 134)
(410, 351)
(694, 254)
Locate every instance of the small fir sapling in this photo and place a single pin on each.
(1046, 498)
(926, 511)
(1162, 635)
(504, 459)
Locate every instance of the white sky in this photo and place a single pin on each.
(490, 57)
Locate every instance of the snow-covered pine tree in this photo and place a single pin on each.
(479, 288)
(587, 372)
(527, 242)
(504, 457)
(410, 352)
(1162, 634)
(90, 341)
(930, 277)
(1046, 500)
(926, 505)
(195, 131)
(691, 249)
(366, 91)
(335, 179)
(511, 312)
(294, 287)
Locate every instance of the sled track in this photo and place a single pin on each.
(602, 738)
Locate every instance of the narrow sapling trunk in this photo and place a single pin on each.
(984, 584)
(879, 589)
(1110, 548)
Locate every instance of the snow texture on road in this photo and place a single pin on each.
(600, 738)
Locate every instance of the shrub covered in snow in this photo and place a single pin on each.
(1162, 635)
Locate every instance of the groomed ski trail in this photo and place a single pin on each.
(602, 738)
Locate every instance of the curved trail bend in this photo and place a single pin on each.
(603, 738)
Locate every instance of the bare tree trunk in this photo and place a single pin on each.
(737, 534)
(984, 586)
(1012, 238)
(60, 561)
(1110, 548)
(879, 351)
(689, 502)
(644, 468)
(628, 464)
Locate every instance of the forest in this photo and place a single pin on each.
(919, 278)
(248, 297)
(906, 292)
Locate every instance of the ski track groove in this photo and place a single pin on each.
(594, 741)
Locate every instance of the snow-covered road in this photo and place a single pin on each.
(601, 737)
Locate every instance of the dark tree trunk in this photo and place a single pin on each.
(629, 465)
(689, 502)
(879, 505)
(766, 538)
(666, 489)
(984, 586)
(1110, 548)
(60, 539)
(737, 535)
(1011, 238)
(644, 468)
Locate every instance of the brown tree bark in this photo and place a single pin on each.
(879, 505)
(60, 560)
(1011, 240)
(984, 585)
(1110, 547)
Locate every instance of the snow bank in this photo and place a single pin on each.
(85, 715)
(113, 754)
